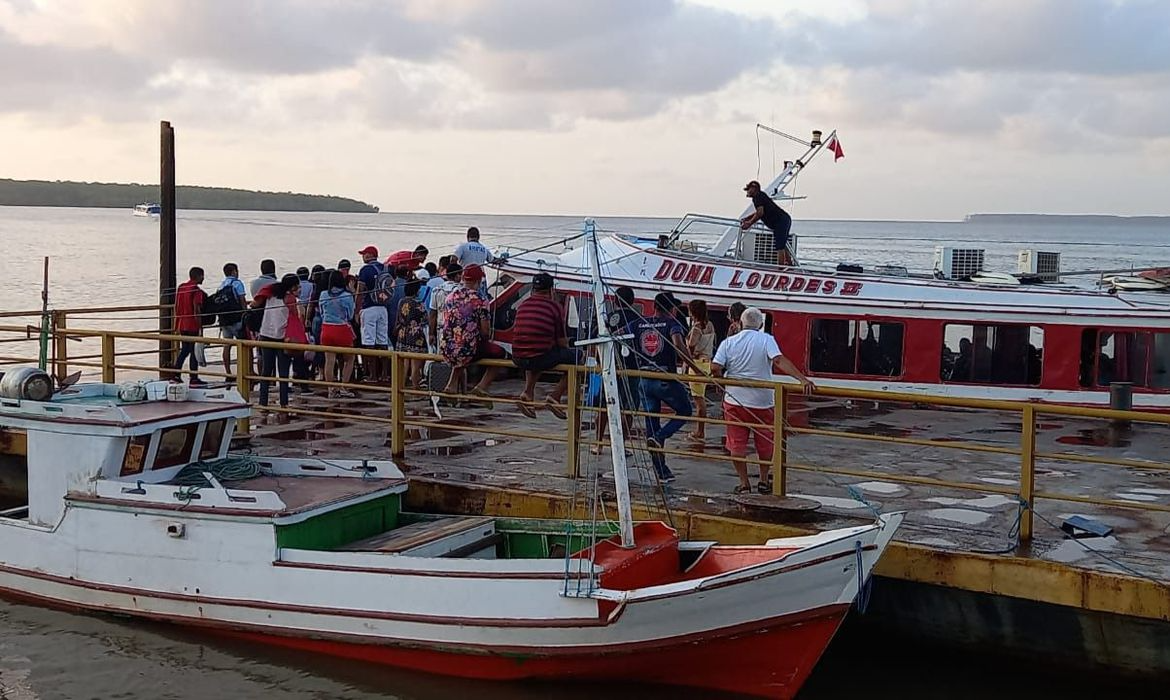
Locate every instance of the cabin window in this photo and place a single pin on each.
(846, 346)
(1137, 357)
(212, 439)
(135, 458)
(504, 314)
(174, 446)
(992, 354)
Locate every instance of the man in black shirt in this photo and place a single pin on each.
(773, 217)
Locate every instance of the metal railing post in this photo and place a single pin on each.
(573, 446)
(243, 384)
(60, 345)
(108, 370)
(397, 406)
(1027, 470)
(779, 442)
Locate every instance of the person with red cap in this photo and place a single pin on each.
(373, 317)
(466, 331)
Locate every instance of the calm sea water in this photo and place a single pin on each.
(107, 257)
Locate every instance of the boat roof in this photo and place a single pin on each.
(722, 280)
(98, 407)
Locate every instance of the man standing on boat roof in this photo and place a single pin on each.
(775, 218)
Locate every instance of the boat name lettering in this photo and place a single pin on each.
(694, 273)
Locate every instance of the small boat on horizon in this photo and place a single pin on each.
(148, 209)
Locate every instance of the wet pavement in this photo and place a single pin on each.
(983, 520)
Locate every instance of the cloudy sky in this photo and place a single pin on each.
(641, 107)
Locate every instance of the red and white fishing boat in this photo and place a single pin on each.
(971, 333)
(132, 505)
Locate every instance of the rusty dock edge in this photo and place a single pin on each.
(1020, 606)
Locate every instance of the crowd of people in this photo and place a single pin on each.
(410, 304)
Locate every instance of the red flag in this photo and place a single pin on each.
(835, 146)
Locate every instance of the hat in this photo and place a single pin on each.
(343, 264)
(473, 273)
(422, 274)
(369, 250)
(542, 281)
(753, 183)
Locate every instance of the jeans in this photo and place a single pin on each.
(272, 362)
(656, 392)
(187, 350)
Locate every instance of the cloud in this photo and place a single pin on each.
(477, 63)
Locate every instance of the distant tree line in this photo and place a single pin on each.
(1065, 219)
(43, 193)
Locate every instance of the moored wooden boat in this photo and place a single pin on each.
(318, 555)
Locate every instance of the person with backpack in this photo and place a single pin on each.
(373, 295)
(229, 302)
(188, 315)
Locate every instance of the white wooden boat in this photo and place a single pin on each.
(320, 556)
(149, 209)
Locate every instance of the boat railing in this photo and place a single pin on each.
(719, 236)
(397, 409)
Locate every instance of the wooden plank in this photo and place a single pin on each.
(410, 536)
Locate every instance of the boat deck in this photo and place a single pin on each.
(940, 519)
(304, 493)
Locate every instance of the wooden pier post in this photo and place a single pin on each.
(167, 275)
(1027, 471)
(779, 442)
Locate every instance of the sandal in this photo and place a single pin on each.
(481, 392)
(741, 489)
(555, 409)
(526, 408)
(345, 394)
(765, 486)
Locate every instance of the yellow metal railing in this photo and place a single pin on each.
(110, 362)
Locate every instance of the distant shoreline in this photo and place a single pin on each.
(110, 195)
(1065, 219)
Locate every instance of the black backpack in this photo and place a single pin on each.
(226, 305)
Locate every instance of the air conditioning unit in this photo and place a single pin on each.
(760, 246)
(1043, 264)
(957, 263)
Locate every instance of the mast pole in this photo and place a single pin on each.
(609, 381)
(43, 357)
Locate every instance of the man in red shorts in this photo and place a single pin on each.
(752, 354)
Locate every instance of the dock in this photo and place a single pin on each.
(981, 559)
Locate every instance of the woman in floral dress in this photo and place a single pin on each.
(466, 331)
(410, 332)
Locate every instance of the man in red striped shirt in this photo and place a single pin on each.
(539, 343)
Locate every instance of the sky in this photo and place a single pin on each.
(605, 107)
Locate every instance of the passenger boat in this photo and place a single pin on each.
(124, 502)
(148, 210)
(961, 331)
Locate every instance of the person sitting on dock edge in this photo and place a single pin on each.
(752, 354)
(772, 216)
(539, 343)
(466, 334)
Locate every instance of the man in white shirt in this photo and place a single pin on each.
(473, 252)
(752, 354)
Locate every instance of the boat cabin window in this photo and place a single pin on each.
(848, 346)
(992, 354)
(174, 446)
(1137, 357)
(135, 458)
(212, 439)
(504, 312)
